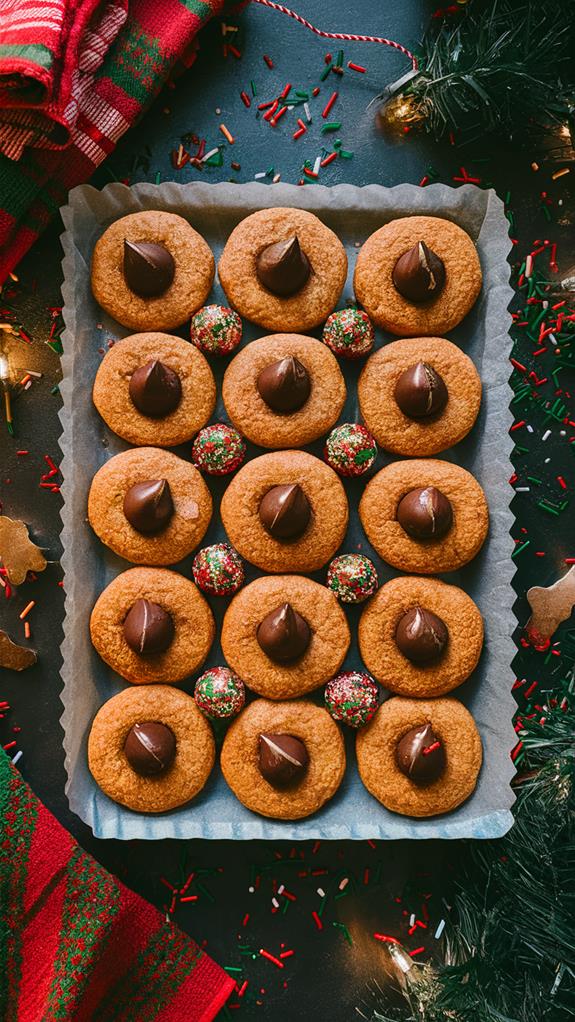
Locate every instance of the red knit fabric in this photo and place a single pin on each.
(78, 946)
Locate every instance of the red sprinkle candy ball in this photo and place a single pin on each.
(349, 332)
(350, 449)
(219, 693)
(352, 698)
(218, 450)
(216, 330)
(218, 570)
(352, 578)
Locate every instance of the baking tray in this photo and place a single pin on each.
(353, 213)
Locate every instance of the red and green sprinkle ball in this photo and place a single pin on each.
(218, 570)
(352, 698)
(218, 449)
(350, 449)
(219, 693)
(352, 577)
(216, 330)
(349, 332)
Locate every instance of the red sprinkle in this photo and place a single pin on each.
(245, 99)
(356, 67)
(328, 159)
(268, 61)
(271, 958)
(385, 938)
(329, 104)
(317, 920)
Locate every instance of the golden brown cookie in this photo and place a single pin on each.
(313, 303)
(190, 497)
(378, 513)
(112, 398)
(193, 276)
(328, 642)
(194, 753)
(421, 677)
(325, 749)
(192, 620)
(414, 436)
(375, 289)
(323, 494)
(253, 416)
(376, 756)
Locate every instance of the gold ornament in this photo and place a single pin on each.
(400, 112)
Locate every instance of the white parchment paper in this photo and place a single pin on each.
(353, 213)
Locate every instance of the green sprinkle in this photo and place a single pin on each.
(331, 126)
(233, 968)
(207, 894)
(520, 548)
(216, 160)
(56, 346)
(56, 389)
(534, 479)
(322, 906)
(158, 177)
(302, 95)
(325, 72)
(345, 931)
(544, 507)
(253, 88)
(337, 143)
(345, 154)
(546, 212)
(339, 58)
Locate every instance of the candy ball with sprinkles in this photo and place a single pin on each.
(349, 332)
(350, 449)
(216, 330)
(352, 578)
(219, 693)
(218, 570)
(218, 450)
(352, 698)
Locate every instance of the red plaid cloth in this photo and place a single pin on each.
(78, 946)
(74, 76)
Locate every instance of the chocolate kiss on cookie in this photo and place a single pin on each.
(148, 268)
(150, 748)
(419, 274)
(283, 268)
(421, 635)
(148, 628)
(285, 385)
(155, 389)
(420, 391)
(283, 759)
(420, 755)
(283, 634)
(148, 506)
(425, 513)
(285, 511)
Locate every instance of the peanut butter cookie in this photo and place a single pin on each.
(285, 635)
(425, 516)
(419, 396)
(284, 390)
(283, 269)
(418, 275)
(420, 637)
(283, 760)
(420, 758)
(150, 748)
(285, 512)
(152, 625)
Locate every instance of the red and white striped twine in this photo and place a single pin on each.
(347, 36)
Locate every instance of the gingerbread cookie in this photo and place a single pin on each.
(151, 270)
(420, 637)
(425, 516)
(285, 512)
(149, 506)
(152, 625)
(283, 760)
(420, 758)
(419, 396)
(418, 275)
(154, 389)
(284, 390)
(150, 748)
(283, 269)
(285, 635)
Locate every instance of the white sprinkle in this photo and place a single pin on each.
(212, 152)
(412, 919)
(343, 883)
(317, 165)
(529, 428)
(31, 372)
(562, 432)
(281, 888)
(528, 266)
(321, 892)
(553, 339)
(259, 175)
(546, 435)
(28, 385)
(545, 304)
(519, 489)
(17, 757)
(307, 113)
(439, 929)
(218, 111)
(276, 178)
(275, 903)
(251, 889)
(547, 460)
